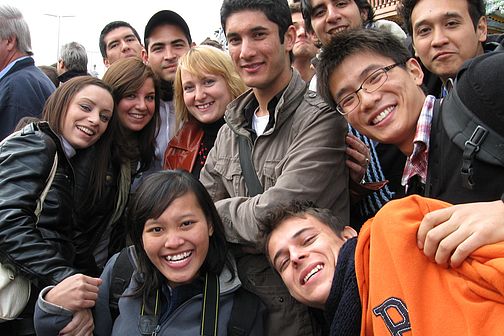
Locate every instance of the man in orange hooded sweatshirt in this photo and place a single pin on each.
(381, 283)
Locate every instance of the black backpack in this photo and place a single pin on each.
(471, 135)
(247, 307)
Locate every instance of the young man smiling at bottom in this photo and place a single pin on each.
(369, 77)
(381, 283)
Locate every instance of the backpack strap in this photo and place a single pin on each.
(249, 174)
(244, 313)
(471, 135)
(461, 126)
(210, 309)
(121, 276)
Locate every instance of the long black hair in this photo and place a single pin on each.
(153, 196)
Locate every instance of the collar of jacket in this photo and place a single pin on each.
(29, 61)
(287, 104)
(67, 75)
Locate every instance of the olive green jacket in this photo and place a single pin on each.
(301, 157)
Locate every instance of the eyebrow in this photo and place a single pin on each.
(364, 73)
(294, 236)
(112, 41)
(251, 30)
(130, 35)
(121, 38)
(315, 8)
(157, 44)
(93, 102)
(447, 15)
(180, 40)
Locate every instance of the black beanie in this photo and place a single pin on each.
(480, 86)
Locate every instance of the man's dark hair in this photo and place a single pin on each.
(295, 7)
(353, 41)
(299, 209)
(307, 9)
(108, 28)
(276, 11)
(476, 11)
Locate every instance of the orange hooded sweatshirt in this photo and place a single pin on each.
(404, 293)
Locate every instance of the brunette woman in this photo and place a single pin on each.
(135, 92)
(183, 272)
(78, 115)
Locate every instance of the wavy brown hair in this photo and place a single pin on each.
(55, 111)
(126, 76)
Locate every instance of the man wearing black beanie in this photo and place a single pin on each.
(455, 147)
(166, 39)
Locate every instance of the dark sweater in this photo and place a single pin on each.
(343, 308)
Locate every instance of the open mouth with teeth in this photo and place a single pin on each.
(137, 116)
(382, 115)
(178, 258)
(310, 274)
(204, 106)
(337, 30)
(86, 130)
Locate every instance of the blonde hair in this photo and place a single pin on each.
(205, 59)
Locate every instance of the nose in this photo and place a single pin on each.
(124, 46)
(367, 100)
(93, 117)
(200, 93)
(301, 32)
(438, 37)
(297, 256)
(173, 240)
(169, 54)
(247, 49)
(140, 104)
(333, 13)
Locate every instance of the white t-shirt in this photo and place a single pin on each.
(259, 123)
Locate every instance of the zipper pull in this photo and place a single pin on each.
(155, 332)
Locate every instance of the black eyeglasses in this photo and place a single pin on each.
(372, 83)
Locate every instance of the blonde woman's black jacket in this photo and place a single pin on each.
(43, 251)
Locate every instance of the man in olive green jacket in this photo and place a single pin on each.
(297, 148)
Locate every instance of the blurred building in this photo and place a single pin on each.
(386, 9)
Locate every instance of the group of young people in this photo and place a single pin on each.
(267, 231)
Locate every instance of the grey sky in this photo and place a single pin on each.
(89, 17)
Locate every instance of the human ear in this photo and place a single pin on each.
(290, 38)
(482, 29)
(415, 71)
(144, 56)
(364, 15)
(348, 232)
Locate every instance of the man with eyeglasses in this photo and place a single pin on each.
(370, 78)
(370, 163)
